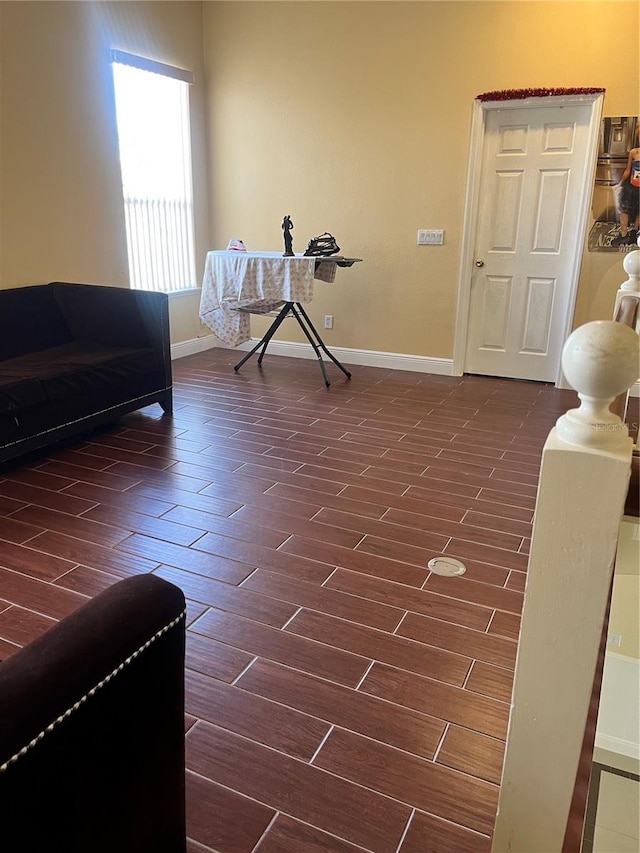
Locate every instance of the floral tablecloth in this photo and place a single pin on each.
(262, 281)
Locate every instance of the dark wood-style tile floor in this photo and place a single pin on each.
(340, 696)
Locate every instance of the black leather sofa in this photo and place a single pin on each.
(92, 728)
(74, 356)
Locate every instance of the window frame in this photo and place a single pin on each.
(165, 70)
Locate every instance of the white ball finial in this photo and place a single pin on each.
(600, 360)
(631, 264)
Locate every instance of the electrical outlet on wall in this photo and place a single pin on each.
(328, 321)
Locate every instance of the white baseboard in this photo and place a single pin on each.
(368, 358)
(619, 716)
(365, 358)
(618, 745)
(191, 347)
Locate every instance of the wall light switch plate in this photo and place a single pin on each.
(430, 237)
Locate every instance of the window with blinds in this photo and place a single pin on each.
(152, 113)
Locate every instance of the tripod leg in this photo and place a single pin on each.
(313, 344)
(264, 349)
(273, 328)
(267, 337)
(321, 342)
(247, 356)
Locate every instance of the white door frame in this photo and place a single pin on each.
(480, 111)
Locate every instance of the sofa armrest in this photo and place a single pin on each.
(92, 728)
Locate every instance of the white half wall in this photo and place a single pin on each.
(618, 727)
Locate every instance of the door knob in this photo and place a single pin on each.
(479, 262)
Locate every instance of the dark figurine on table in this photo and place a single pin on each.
(287, 226)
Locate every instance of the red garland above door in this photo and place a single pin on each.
(521, 94)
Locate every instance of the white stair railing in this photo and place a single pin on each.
(627, 310)
(583, 484)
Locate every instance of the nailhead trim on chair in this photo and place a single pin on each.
(91, 692)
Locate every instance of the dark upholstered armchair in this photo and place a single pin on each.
(92, 728)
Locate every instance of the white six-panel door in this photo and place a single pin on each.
(534, 163)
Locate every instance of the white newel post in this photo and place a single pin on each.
(583, 484)
(630, 287)
(631, 264)
(629, 291)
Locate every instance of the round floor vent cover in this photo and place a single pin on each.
(446, 566)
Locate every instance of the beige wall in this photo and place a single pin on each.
(355, 118)
(61, 213)
(351, 117)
